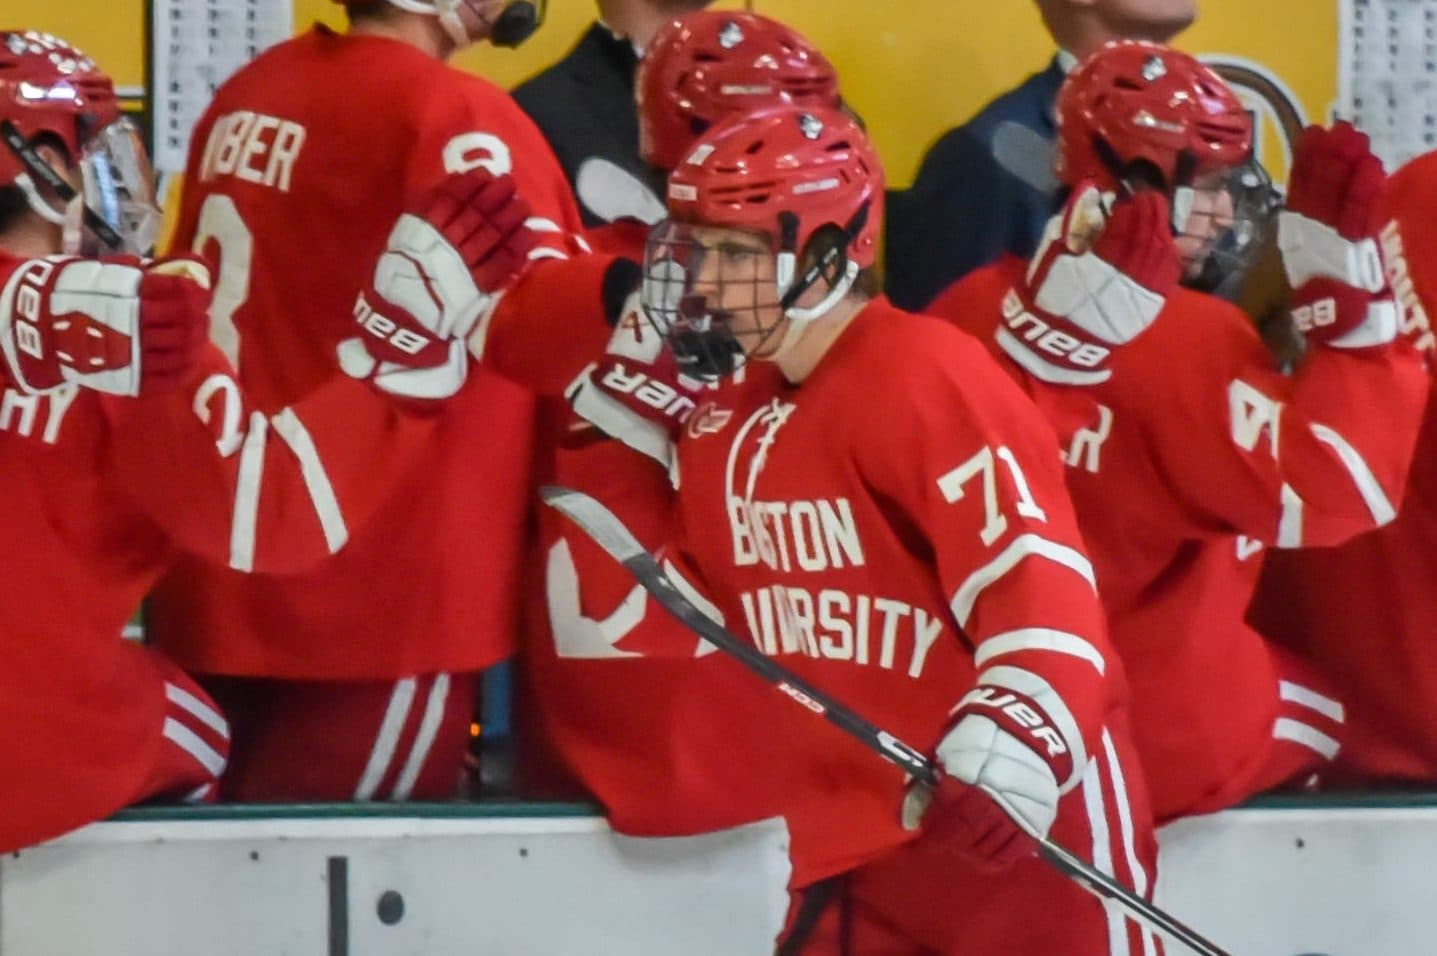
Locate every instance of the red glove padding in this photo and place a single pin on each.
(1325, 310)
(969, 821)
(1336, 180)
(1137, 240)
(111, 325)
(1098, 280)
(175, 297)
(450, 252)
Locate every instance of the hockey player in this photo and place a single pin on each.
(890, 521)
(1362, 612)
(698, 70)
(124, 437)
(357, 680)
(1188, 451)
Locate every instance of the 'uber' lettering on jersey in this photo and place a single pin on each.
(253, 147)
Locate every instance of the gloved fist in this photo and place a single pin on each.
(1098, 280)
(635, 393)
(1328, 237)
(1002, 760)
(446, 262)
(118, 326)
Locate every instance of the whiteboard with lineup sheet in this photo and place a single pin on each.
(1387, 74)
(194, 46)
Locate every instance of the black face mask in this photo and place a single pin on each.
(517, 23)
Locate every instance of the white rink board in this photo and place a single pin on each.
(507, 887)
(1261, 882)
(1281, 882)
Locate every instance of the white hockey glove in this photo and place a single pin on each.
(1011, 752)
(448, 260)
(118, 326)
(1097, 281)
(635, 392)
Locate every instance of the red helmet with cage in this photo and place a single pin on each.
(1134, 103)
(50, 90)
(808, 186)
(713, 63)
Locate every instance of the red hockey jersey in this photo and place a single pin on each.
(1194, 455)
(298, 170)
(97, 494)
(888, 528)
(1365, 612)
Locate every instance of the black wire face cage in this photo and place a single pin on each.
(1231, 238)
(712, 294)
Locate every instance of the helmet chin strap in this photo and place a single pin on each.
(37, 202)
(791, 289)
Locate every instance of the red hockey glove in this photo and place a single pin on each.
(447, 260)
(635, 392)
(1097, 281)
(1327, 235)
(115, 326)
(1002, 760)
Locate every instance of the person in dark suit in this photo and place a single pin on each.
(987, 187)
(584, 105)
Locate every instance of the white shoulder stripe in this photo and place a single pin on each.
(1021, 547)
(1367, 484)
(316, 479)
(1039, 639)
(247, 483)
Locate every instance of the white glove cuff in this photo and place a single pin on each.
(617, 421)
(1311, 249)
(1034, 687)
(1378, 328)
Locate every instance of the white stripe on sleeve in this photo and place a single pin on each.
(1023, 546)
(247, 484)
(1367, 484)
(1039, 639)
(316, 479)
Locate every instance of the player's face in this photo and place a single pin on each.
(736, 276)
(1211, 215)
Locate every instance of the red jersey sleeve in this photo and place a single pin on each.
(974, 468)
(1307, 459)
(270, 493)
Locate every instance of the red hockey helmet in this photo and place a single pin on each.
(1140, 115)
(1136, 103)
(807, 187)
(48, 89)
(705, 66)
(469, 20)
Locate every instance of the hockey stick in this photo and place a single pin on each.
(609, 533)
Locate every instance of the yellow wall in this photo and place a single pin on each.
(913, 68)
